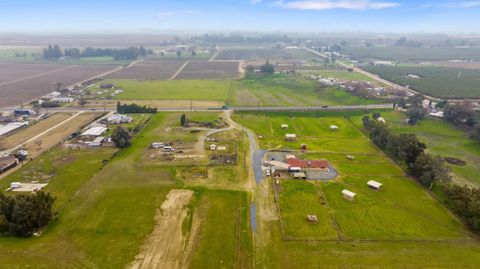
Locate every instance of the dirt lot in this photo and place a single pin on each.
(25, 134)
(209, 70)
(14, 71)
(27, 87)
(165, 247)
(197, 104)
(52, 138)
(149, 70)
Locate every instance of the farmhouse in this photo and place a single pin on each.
(348, 195)
(308, 164)
(94, 131)
(7, 162)
(119, 118)
(374, 185)
(290, 137)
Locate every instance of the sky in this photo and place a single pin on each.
(164, 16)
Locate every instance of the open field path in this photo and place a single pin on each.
(179, 70)
(214, 56)
(164, 248)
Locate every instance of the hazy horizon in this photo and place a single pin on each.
(316, 16)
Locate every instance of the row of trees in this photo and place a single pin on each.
(134, 108)
(131, 53)
(408, 151)
(428, 170)
(465, 202)
(25, 214)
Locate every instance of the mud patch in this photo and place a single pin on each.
(455, 161)
(166, 246)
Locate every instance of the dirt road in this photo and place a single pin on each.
(179, 70)
(165, 247)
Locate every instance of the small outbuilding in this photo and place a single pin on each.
(213, 147)
(290, 137)
(299, 175)
(350, 157)
(284, 126)
(348, 195)
(157, 145)
(374, 185)
(333, 127)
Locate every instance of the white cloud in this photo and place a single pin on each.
(461, 4)
(331, 4)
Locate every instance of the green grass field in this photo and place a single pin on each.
(442, 139)
(101, 206)
(281, 90)
(385, 221)
(172, 89)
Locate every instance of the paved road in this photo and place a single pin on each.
(186, 109)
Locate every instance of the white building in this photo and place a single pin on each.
(62, 99)
(119, 118)
(348, 194)
(95, 131)
(374, 184)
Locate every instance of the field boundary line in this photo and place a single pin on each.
(179, 70)
(36, 75)
(334, 220)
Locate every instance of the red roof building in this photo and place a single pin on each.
(310, 164)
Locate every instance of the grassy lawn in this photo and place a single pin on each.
(172, 89)
(225, 240)
(443, 139)
(297, 199)
(387, 219)
(282, 90)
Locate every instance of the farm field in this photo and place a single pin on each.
(112, 104)
(272, 54)
(32, 130)
(283, 90)
(118, 203)
(413, 54)
(401, 221)
(149, 69)
(442, 139)
(172, 90)
(209, 70)
(39, 82)
(440, 82)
